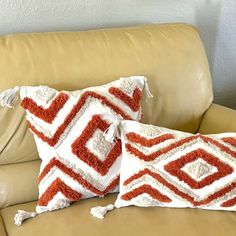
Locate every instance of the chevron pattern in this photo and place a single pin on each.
(175, 169)
(81, 151)
(77, 161)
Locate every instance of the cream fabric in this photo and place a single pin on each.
(77, 161)
(168, 168)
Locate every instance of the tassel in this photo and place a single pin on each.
(112, 132)
(9, 97)
(100, 212)
(147, 90)
(23, 215)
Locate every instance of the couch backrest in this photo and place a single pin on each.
(171, 56)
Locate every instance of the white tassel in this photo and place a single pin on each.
(9, 97)
(100, 212)
(112, 132)
(147, 90)
(23, 215)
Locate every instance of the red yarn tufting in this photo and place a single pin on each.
(48, 114)
(156, 154)
(230, 140)
(77, 177)
(217, 194)
(219, 145)
(172, 146)
(58, 186)
(174, 168)
(54, 139)
(146, 188)
(81, 151)
(173, 188)
(229, 203)
(133, 102)
(136, 138)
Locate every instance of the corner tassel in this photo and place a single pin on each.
(23, 215)
(9, 97)
(100, 212)
(112, 132)
(147, 90)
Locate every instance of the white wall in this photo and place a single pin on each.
(215, 18)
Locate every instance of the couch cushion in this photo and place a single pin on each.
(18, 183)
(218, 119)
(2, 228)
(171, 56)
(76, 220)
(16, 141)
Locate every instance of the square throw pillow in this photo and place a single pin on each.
(77, 162)
(167, 168)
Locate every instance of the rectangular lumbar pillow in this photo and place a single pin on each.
(167, 168)
(68, 127)
(163, 167)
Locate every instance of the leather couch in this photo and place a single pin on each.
(173, 59)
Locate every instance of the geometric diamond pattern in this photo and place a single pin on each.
(174, 168)
(98, 145)
(198, 169)
(83, 153)
(188, 170)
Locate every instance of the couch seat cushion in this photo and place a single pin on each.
(2, 228)
(76, 220)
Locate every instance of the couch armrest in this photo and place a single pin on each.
(218, 119)
(2, 228)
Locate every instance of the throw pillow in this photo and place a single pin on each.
(167, 168)
(176, 169)
(77, 162)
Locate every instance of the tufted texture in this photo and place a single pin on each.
(171, 56)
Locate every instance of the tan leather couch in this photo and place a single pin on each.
(173, 59)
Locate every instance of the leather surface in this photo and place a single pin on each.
(76, 220)
(2, 228)
(18, 183)
(171, 56)
(16, 141)
(218, 119)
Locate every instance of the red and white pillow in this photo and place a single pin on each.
(68, 127)
(167, 168)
